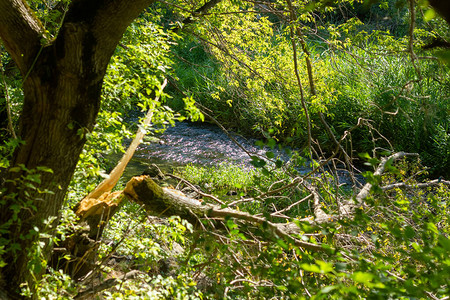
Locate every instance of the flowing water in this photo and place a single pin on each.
(202, 144)
(195, 143)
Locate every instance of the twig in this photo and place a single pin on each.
(196, 189)
(312, 86)
(381, 167)
(292, 205)
(277, 229)
(403, 185)
(299, 83)
(318, 211)
(431, 295)
(106, 285)
(296, 181)
(412, 12)
(348, 206)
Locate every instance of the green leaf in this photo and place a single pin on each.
(44, 169)
(259, 143)
(325, 267)
(321, 267)
(15, 169)
(362, 277)
(257, 162)
(270, 154)
(282, 288)
(416, 247)
(409, 232)
(282, 244)
(231, 224)
(279, 163)
(364, 155)
(429, 15)
(328, 289)
(310, 268)
(432, 227)
(271, 143)
(265, 172)
(340, 266)
(444, 242)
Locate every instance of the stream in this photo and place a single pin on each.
(194, 143)
(202, 144)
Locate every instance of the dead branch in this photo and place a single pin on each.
(403, 185)
(349, 205)
(168, 202)
(318, 211)
(109, 283)
(108, 184)
(287, 208)
(198, 191)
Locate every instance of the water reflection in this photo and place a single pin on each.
(202, 144)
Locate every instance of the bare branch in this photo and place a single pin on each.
(403, 185)
(349, 205)
(109, 283)
(299, 83)
(287, 208)
(168, 202)
(108, 184)
(196, 189)
(412, 24)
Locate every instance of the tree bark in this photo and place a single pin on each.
(62, 80)
(442, 7)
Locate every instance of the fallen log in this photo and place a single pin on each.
(168, 202)
(95, 213)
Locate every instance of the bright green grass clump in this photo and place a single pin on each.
(223, 176)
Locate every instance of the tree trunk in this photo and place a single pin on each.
(62, 85)
(442, 7)
(59, 110)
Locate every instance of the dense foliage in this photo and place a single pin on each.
(362, 69)
(376, 93)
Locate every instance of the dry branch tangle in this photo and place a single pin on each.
(167, 202)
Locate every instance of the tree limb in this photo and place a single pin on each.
(167, 202)
(109, 283)
(20, 32)
(108, 184)
(349, 205)
(403, 185)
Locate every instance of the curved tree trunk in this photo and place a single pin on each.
(62, 85)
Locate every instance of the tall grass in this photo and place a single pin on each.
(372, 77)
